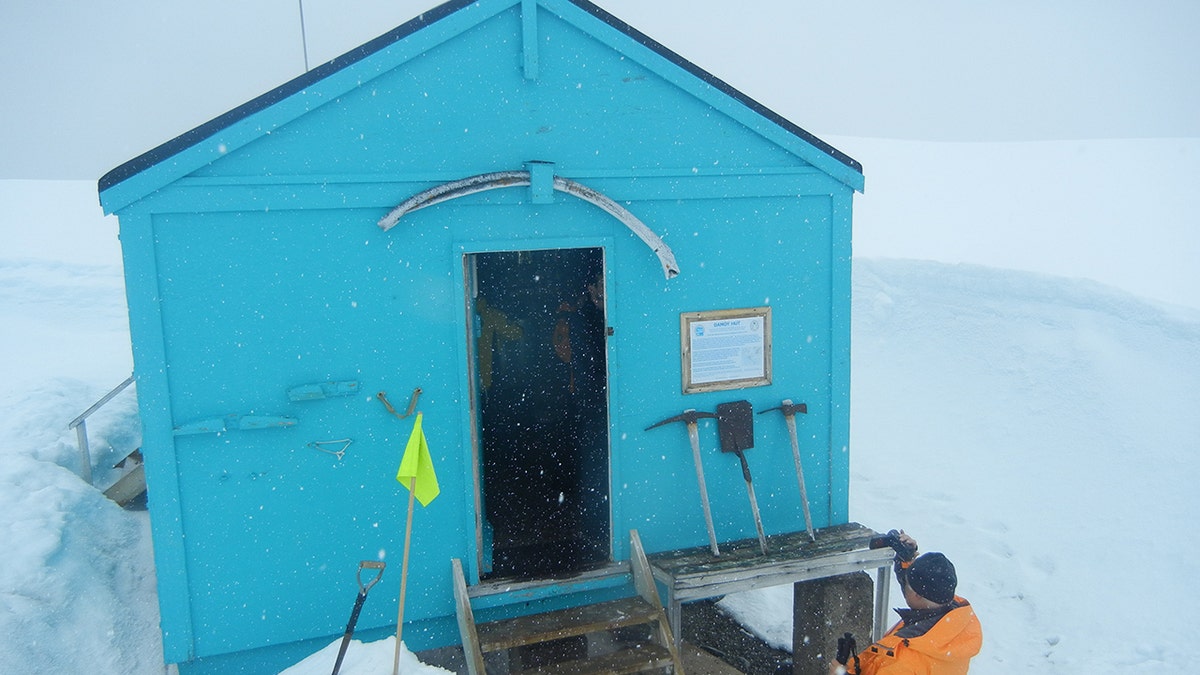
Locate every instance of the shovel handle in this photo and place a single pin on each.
(745, 466)
(358, 605)
(371, 565)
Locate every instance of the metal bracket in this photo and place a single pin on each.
(412, 403)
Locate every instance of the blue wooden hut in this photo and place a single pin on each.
(557, 230)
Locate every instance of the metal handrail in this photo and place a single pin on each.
(80, 426)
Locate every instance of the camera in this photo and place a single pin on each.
(846, 648)
(892, 538)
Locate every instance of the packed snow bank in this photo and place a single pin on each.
(1038, 430)
(77, 589)
(1042, 433)
(370, 658)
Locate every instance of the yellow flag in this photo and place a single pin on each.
(417, 464)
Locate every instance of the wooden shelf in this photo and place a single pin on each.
(695, 574)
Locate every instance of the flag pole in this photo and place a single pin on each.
(412, 495)
(415, 464)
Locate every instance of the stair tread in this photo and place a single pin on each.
(632, 659)
(535, 628)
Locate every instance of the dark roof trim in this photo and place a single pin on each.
(198, 134)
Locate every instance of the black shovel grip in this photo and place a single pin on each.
(745, 466)
(358, 604)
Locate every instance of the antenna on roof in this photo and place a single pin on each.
(303, 36)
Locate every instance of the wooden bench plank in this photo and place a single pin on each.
(698, 584)
(783, 548)
(535, 628)
(694, 573)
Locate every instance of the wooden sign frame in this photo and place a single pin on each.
(725, 349)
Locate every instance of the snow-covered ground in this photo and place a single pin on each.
(1042, 433)
(1040, 430)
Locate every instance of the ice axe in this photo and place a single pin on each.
(789, 411)
(690, 417)
(358, 603)
(735, 424)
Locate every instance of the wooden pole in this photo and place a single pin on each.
(412, 494)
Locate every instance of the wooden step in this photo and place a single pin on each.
(129, 487)
(644, 608)
(632, 659)
(534, 628)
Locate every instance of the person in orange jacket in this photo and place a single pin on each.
(938, 633)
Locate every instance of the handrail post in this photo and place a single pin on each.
(85, 452)
(79, 424)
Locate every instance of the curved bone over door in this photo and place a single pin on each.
(504, 179)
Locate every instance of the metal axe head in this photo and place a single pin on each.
(688, 417)
(788, 408)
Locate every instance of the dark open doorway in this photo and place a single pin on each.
(542, 404)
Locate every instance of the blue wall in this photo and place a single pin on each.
(262, 269)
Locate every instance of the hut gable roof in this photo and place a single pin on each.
(343, 78)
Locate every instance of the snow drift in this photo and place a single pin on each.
(1041, 432)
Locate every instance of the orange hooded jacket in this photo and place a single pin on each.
(945, 648)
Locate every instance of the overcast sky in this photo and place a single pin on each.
(89, 85)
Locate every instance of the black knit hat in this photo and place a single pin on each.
(932, 576)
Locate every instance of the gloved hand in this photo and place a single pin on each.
(904, 545)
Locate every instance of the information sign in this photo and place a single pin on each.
(726, 349)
